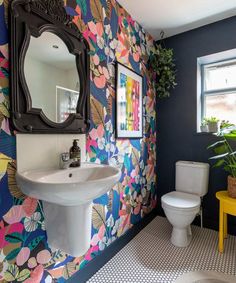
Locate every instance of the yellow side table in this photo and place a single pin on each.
(227, 206)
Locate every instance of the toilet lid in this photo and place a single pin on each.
(181, 200)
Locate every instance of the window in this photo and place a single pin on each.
(218, 90)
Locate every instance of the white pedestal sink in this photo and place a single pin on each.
(67, 201)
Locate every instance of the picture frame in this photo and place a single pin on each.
(129, 103)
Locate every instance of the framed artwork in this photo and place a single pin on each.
(129, 118)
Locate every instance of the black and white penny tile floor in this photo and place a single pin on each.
(151, 258)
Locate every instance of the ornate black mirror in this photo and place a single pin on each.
(49, 69)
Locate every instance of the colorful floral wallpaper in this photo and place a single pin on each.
(24, 253)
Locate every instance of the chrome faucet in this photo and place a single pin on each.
(65, 160)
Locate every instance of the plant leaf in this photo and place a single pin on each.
(30, 205)
(14, 238)
(34, 243)
(110, 201)
(227, 168)
(216, 143)
(97, 111)
(221, 149)
(110, 100)
(57, 256)
(83, 6)
(231, 135)
(24, 274)
(135, 156)
(219, 156)
(4, 110)
(81, 25)
(13, 188)
(119, 188)
(11, 273)
(5, 91)
(96, 73)
(98, 216)
(13, 254)
(108, 9)
(69, 269)
(10, 247)
(127, 162)
(219, 163)
(1, 119)
(96, 10)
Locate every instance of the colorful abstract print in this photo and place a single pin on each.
(24, 253)
(129, 103)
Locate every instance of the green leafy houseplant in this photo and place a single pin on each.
(213, 124)
(226, 156)
(204, 126)
(211, 120)
(162, 63)
(225, 124)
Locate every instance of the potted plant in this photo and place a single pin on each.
(226, 156)
(162, 63)
(204, 126)
(213, 124)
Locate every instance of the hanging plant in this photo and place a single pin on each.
(162, 63)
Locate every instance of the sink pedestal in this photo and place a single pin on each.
(67, 197)
(68, 227)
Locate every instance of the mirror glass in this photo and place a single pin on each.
(52, 77)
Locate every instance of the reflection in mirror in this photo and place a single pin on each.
(52, 77)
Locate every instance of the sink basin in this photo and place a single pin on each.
(71, 186)
(67, 201)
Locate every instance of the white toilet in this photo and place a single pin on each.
(182, 206)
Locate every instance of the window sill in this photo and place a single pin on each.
(204, 134)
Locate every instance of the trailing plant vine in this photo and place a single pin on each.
(162, 63)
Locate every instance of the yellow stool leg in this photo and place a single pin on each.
(225, 226)
(221, 229)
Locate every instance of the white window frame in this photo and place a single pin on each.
(228, 57)
(222, 91)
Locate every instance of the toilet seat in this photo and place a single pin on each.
(180, 201)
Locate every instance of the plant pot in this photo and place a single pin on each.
(232, 186)
(204, 129)
(213, 127)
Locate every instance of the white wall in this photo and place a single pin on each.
(43, 151)
(72, 78)
(42, 80)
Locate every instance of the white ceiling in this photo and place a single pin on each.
(176, 16)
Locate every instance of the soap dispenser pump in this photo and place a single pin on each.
(75, 154)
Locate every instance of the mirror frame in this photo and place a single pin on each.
(32, 18)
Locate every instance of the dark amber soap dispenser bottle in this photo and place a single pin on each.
(75, 154)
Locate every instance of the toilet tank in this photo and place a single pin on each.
(192, 177)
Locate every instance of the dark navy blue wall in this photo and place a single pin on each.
(176, 136)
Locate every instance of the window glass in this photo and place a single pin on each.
(220, 76)
(222, 106)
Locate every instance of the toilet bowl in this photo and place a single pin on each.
(180, 209)
(182, 205)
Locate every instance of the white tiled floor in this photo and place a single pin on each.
(151, 258)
